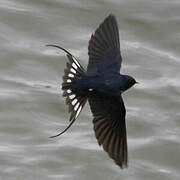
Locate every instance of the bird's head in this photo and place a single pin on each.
(128, 82)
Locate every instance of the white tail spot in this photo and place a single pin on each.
(69, 91)
(73, 71)
(74, 65)
(78, 111)
(70, 75)
(90, 89)
(72, 96)
(69, 81)
(76, 61)
(76, 106)
(74, 102)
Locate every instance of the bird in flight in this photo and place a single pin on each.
(102, 86)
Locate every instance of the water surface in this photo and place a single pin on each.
(32, 108)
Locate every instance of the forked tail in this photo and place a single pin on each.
(75, 102)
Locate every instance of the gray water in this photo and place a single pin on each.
(32, 108)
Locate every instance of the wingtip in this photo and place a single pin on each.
(122, 165)
(111, 16)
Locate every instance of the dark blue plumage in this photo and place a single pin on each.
(102, 85)
(109, 84)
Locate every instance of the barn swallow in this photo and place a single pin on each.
(102, 86)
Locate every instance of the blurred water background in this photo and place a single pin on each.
(32, 108)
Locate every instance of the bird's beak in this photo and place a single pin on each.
(137, 83)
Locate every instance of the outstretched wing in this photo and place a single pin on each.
(104, 48)
(110, 127)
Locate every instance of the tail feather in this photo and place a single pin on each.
(75, 102)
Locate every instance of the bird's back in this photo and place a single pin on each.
(110, 84)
